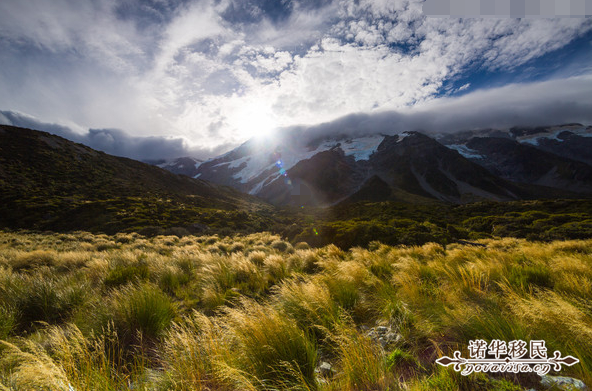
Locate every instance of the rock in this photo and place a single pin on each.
(563, 383)
(325, 369)
(383, 335)
(392, 337)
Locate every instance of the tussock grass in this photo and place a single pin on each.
(272, 349)
(142, 309)
(68, 360)
(256, 313)
(361, 362)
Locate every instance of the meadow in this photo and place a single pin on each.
(84, 311)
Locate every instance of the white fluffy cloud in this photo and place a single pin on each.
(214, 82)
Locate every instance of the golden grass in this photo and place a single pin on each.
(256, 313)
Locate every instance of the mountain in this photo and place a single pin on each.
(568, 144)
(48, 182)
(554, 156)
(182, 166)
(420, 165)
(412, 167)
(524, 163)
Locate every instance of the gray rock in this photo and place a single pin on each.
(563, 383)
(382, 329)
(325, 369)
(393, 337)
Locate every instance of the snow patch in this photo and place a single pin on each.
(284, 156)
(361, 148)
(403, 136)
(466, 151)
(553, 133)
(264, 182)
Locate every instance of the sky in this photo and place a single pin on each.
(153, 79)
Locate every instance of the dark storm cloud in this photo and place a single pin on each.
(114, 141)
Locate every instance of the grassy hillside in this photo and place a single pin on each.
(359, 224)
(96, 312)
(47, 182)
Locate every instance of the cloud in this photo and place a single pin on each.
(216, 72)
(534, 104)
(524, 104)
(114, 141)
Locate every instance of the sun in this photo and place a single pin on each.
(256, 119)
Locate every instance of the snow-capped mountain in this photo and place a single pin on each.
(182, 166)
(257, 163)
(517, 163)
(554, 156)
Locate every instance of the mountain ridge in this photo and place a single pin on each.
(442, 167)
(46, 181)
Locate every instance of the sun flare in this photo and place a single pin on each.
(256, 120)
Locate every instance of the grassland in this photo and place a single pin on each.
(94, 312)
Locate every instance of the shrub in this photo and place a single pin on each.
(66, 361)
(301, 246)
(193, 352)
(281, 246)
(34, 259)
(310, 304)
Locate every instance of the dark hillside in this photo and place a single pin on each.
(49, 182)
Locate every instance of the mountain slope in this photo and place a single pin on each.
(323, 179)
(525, 163)
(420, 165)
(570, 145)
(559, 157)
(46, 180)
(182, 166)
(304, 169)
